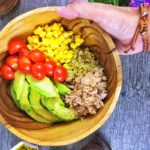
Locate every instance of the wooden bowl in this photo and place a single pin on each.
(64, 133)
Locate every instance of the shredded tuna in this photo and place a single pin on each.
(88, 92)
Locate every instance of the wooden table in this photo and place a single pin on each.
(129, 126)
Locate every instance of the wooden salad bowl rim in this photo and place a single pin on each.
(113, 51)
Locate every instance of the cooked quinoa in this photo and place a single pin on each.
(81, 63)
(88, 92)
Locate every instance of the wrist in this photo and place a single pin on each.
(138, 47)
(141, 43)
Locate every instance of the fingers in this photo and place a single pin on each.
(80, 9)
(109, 17)
(119, 22)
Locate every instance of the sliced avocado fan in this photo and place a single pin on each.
(53, 105)
(40, 99)
(13, 94)
(25, 106)
(17, 87)
(44, 87)
(35, 99)
(62, 88)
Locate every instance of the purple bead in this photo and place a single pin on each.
(136, 3)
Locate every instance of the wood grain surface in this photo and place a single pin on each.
(7, 5)
(129, 126)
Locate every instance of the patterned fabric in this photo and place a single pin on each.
(136, 3)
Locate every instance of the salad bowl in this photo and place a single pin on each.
(104, 50)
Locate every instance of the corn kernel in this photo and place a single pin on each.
(56, 51)
(79, 41)
(43, 48)
(65, 34)
(64, 47)
(49, 49)
(61, 38)
(49, 29)
(39, 44)
(49, 34)
(46, 27)
(54, 59)
(42, 34)
(35, 39)
(55, 26)
(30, 47)
(61, 29)
(65, 42)
(58, 63)
(55, 34)
(47, 59)
(58, 57)
(69, 55)
(38, 30)
(72, 45)
(62, 61)
(67, 60)
(51, 55)
(69, 40)
(45, 53)
(30, 40)
(45, 41)
(35, 47)
(66, 66)
(70, 33)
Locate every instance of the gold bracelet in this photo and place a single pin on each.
(142, 29)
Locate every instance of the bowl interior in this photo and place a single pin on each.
(100, 44)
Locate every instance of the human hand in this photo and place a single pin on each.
(119, 22)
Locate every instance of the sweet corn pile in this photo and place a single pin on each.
(55, 42)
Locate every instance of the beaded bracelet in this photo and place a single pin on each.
(142, 29)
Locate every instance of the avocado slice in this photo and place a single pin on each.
(62, 88)
(18, 84)
(25, 106)
(13, 95)
(35, 99)
(53, 105)
(44, 87)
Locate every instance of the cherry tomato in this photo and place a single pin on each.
(37, 56)
(50, 68)
(12, 61)
(60, 74)
(38, 71)
(14, 46)
(24, 64)
(24, 52)
(7, 72)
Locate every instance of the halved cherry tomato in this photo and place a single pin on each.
(12, 61)
(60, 74)
(7, 72)
(24, 64)
(37, 56)
(14, 46)
(38, 71)
(50, 68)
(24, 52)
